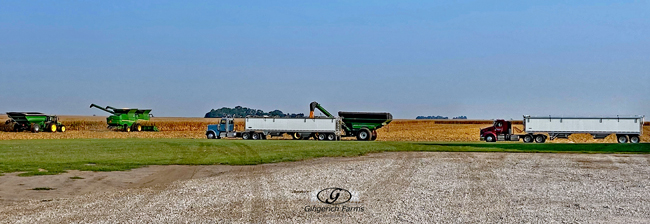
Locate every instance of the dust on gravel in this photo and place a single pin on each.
(409, 187)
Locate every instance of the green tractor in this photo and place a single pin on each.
(34, 122)
(127, 118)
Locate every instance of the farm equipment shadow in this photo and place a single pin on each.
(555, 147)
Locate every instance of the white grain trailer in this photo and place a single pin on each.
(263, 127)
(626, 128)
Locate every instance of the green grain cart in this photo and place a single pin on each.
(127, 118)
(33, 121)
(362, 125)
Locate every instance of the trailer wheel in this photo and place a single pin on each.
(321, 136)
(634, 139)
(62, 128)
(364, 135)
(52, 127)
(621, 138)
(256, 136)
(540, 139)
(331, 137)
(36, 128)
(245, 136)
(490, 138)
(528, 138)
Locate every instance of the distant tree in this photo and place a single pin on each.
(431, 117)
(240, 111)
(460, 118)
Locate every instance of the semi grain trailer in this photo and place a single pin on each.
(539, 128)
(362, 125)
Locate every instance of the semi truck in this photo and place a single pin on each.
(539, 128)
(362, 125)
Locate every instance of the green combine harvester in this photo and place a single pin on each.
(34, 122)
(127, 118)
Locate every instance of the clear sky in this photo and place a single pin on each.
(482, 59)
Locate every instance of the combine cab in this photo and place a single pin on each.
(127, 118)
(34, 122)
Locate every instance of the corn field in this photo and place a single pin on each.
(79, 127)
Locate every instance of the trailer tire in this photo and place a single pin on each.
(634, 139)
(540, 139)
(256, 136)
(621, 138)
(321, 136)
(331, 137)
(528, 138)
(490, 138)
(36, 128)
(245, 136)
(364, 135)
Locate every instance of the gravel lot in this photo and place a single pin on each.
(405, 187)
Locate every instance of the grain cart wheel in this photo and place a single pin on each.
(364, 135)
(621, 138)
(540, 139)
(137, 127)
(374, 135)
(490, 138)
(634, 139)
(321, 136)
(52, 127)
(245, 136)
(331, 137)
(62, 128)
(256, 136)
(127, 128)
(36, 128)
(528, 138)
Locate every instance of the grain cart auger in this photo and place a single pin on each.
(34, 121)
(127, 118)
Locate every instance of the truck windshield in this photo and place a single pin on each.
(223, 121)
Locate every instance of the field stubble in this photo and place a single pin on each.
(85, 127)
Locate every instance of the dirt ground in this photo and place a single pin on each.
(403, 187)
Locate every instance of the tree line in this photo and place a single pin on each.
(240, 111)
(440, 117)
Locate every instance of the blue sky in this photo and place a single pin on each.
(476, 58)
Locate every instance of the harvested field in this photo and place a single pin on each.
(80, 127)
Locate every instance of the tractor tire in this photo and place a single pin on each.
(331, 137)
(36, 128)
(321, 136)
(137, 127)
(245, 135)
(62, 128)
(52, 127)
(374, 135)
(127, 128)
(364, 135)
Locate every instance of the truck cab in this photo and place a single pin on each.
(225, 128)
(500, 129)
